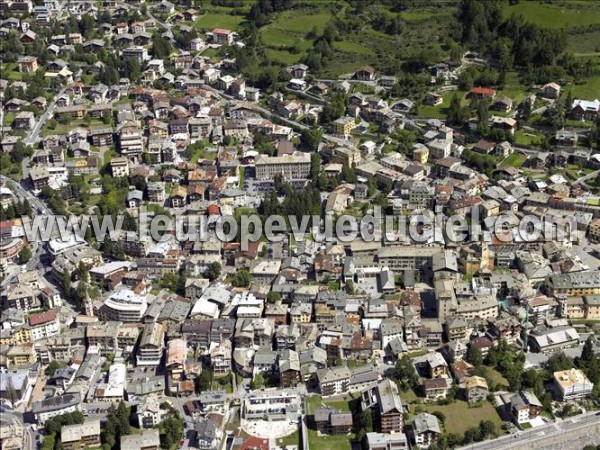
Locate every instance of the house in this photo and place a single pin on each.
(426, 430)
(222, 36)
(119, 167)
(74, 437)
(503, 104)
(28, 64)
(484, 147)
(483, 93)
(384, 441)
(366, 73)
(334, 380)
(331, 421)
(299, 71)
(584, 110)
(25, 120)
(506, 124)
(433, 99)
(146, 440)
(524, 406)
(551, 90)
(476, 389)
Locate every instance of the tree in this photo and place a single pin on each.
(587, 354)
(25, 255)
(242, 278)
(258, 382)
(487, 428)
(171, 429)
(350, 287)
(52, 368)
(214, 271)
(273, 297)
(204, 381)
(474, 356)
(405, 375)
(471, 434)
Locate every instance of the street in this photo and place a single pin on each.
(538, 437)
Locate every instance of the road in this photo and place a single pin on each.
(33, 134)
(541, 433)
(37, 205)
(583, 179)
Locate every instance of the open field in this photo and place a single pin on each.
(459, 416)
(515, 160)
(589, 90)
(212, 20)
(559, 15)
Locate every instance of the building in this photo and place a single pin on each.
(55, 406)
(148, 412)
(147, 440)
(151, 345)
(44, 325)
(119, 167)
(344, 125)
(124, 306)
(476, 389)
(331, 421)
(572, 384)
(271, 406)
(290, 167)
(383, 400)
(426, 429)
(74, 437)
(383, 441)
(222, 36)
(334, 380)
(524, 406)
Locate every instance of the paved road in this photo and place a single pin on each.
(542, 433)
(35, 132)
(583, 179)
(37, 205)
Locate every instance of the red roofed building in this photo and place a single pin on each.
(222, 36)
(44, 325)
(255, 443)
(481, 92)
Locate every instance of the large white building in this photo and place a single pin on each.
(124, 306)
(291, 167)
(572, 384)
(55, 406)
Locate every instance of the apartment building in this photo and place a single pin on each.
(290, 167)
(75, 437)
(151, 345)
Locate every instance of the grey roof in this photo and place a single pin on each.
(56, 403)
(426, 422)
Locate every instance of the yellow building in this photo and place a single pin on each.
(592, 307)
(575, 284)
(21, 354)
(344, 125)
(595, 230)
(421, 155)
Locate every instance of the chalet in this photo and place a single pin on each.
(433, 99)
(222, 36)
(24, 120)
(28, 64)
(503, 104)
(551, 90)
(299, 71)
(366, 73)
(484, 147)
(584, 110)
(483, 93)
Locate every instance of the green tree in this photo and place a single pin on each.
(25, 255)
(273, 297)
(474, 356)
(214, 271)
(52, 368)
(258, 382)
(405, 375)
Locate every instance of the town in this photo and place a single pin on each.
(205, 110)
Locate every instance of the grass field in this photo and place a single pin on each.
(459, 416)
(351, 47)
(589, 90)
(212, 20)
(513, 88)
(515, 160)
(563, 15)
(342, 442)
